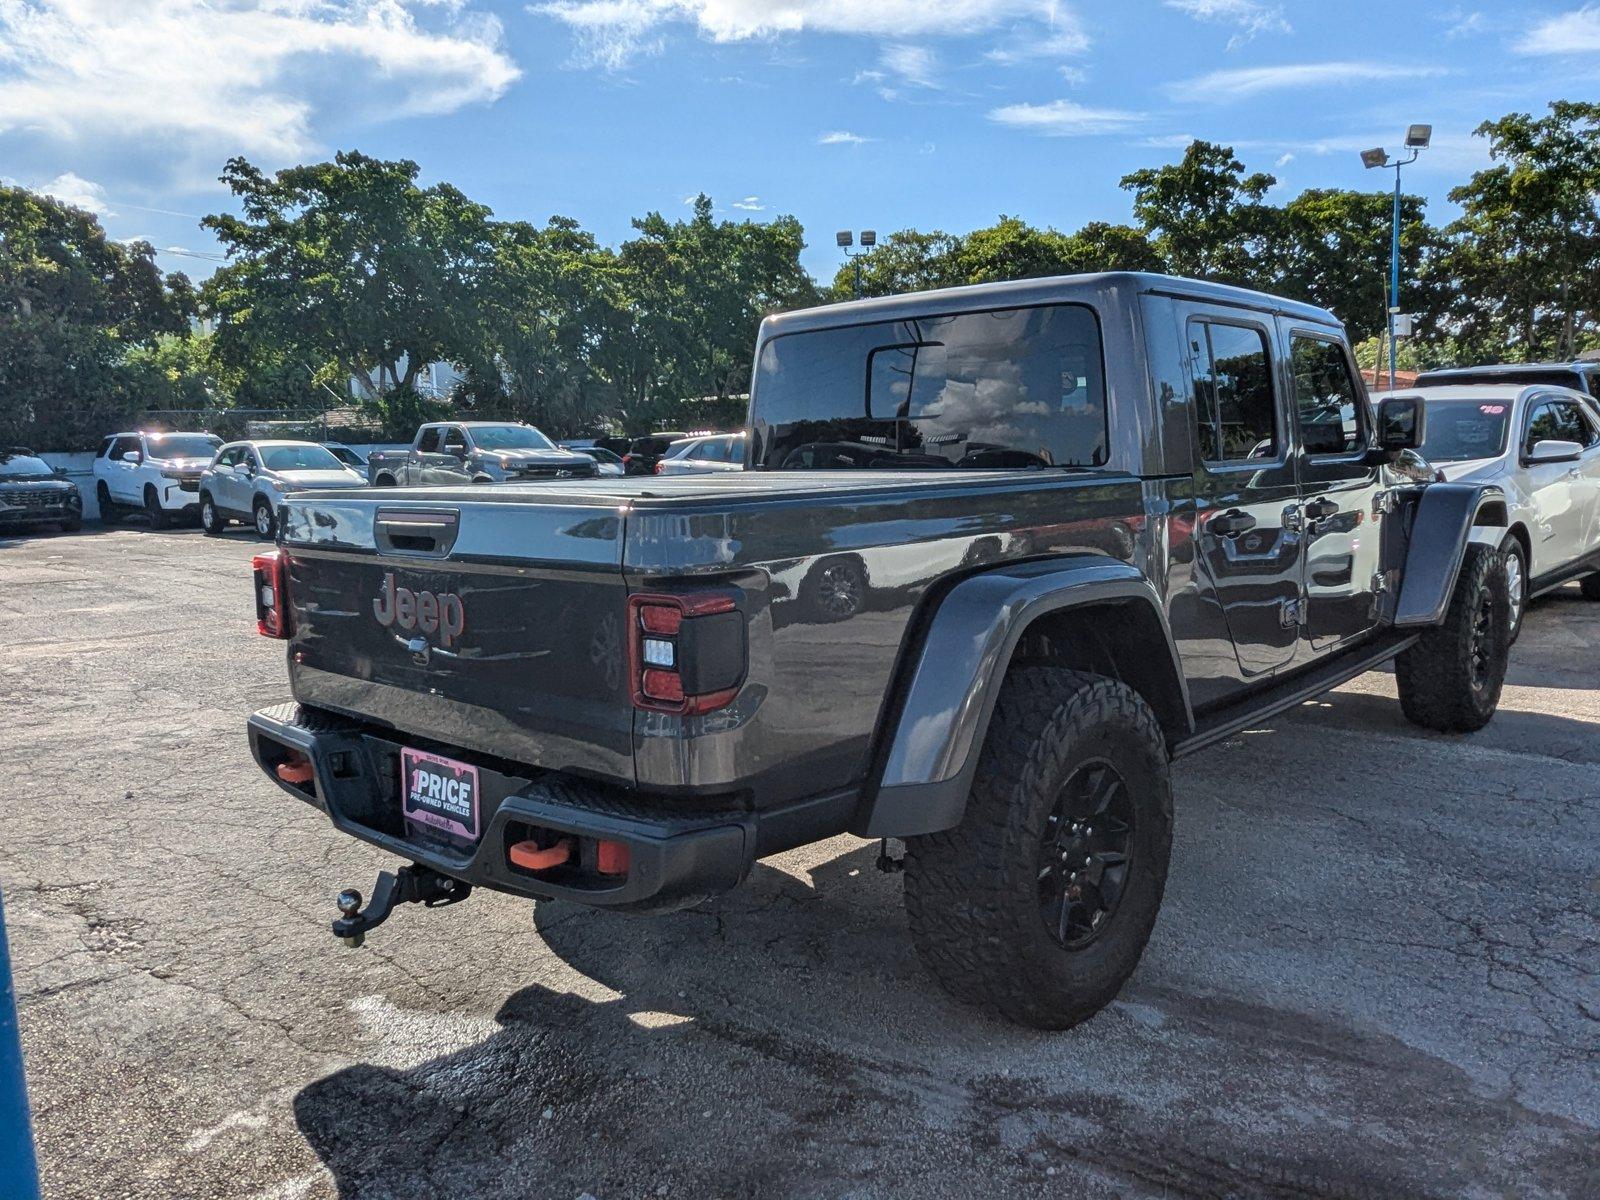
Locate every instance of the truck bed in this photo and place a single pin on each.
(539, 675)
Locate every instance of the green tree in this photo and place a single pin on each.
(1331, 248)
(1205, 216)
(556, 297)
(72, 305)
(348, 264)
(1523, 261)
(697, 291)
(906, 261)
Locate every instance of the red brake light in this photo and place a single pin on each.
(686, 652)
(271, 571)
(658, 466)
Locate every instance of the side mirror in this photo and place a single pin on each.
(1553, 450)
(132, 456)
(1402, 423)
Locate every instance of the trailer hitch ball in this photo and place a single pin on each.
(349, 903)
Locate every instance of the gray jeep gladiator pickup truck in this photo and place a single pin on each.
(1000, 555)
(446, 453)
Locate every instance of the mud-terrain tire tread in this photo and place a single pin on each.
(1434, 675)
(962, 884)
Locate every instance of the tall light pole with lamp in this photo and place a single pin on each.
(846, 239)
(1417, 139)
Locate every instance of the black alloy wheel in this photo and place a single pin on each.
(1086, 854)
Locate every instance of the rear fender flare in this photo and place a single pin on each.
(1449, 516)
(954, 678)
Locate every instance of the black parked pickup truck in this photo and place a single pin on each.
(1000, 555)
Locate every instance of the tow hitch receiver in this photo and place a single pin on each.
(415, 884)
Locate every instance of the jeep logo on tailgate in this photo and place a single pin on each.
(425, 612)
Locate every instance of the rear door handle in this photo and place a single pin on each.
(1321, 510)
(1231, 523)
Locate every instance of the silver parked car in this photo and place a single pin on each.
(247, 480)
(1540, 443)
(703, 455)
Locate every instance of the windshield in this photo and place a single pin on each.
(991, 390)
(599, 454)
(299, 458)
(510, 437)
(182, 445)
(1457, 430)
(20, 464)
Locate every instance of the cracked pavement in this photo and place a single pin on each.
(1375, 973)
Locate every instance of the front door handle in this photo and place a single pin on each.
(1231, 523)
(1321, 510)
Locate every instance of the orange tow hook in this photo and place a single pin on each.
(531, 857)
(295, 769)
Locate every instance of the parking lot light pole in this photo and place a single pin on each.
(1417, 139)
(845, 238)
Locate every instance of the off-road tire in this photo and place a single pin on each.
(1590, 586)
(1509, 549)
(110, 514)
(973, 892)
(152, 507)
(217, 523)
(266, 526)
(1450, 680)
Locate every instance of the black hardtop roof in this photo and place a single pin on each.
(1023, 292)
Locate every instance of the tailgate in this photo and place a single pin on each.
(491, 625)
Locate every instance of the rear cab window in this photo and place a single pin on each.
(1236, 412)
(1002, 389)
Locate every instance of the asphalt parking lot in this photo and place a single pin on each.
(1377, 972)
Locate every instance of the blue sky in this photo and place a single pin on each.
(845, 113)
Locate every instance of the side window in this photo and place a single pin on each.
(700, 452)
(105, 447)
(736, 451)
(429, 442)
(228, 458)
(124, 445)
(1327, 405)
(455, 442)
(1235, 411)
(1573, 427)
(1543, 426)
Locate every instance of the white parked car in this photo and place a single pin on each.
(247, 480)
(347, 456)
(1542, 445)
(157, 474)
(703, 455)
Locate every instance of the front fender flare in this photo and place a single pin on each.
(1440, 531)
(950, 691)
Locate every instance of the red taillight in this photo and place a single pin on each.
(658, 466)
(686, 652)
(272, 593)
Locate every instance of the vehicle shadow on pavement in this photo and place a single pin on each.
(783, 1040)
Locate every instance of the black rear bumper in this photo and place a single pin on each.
(677, 855)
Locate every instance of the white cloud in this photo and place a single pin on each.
(82, 193)
(610, 33)
(914, 65)
(750, 204)
(1064, 118)
(220, 77)
(1221, 86)
(1284, 159)
(1571, 33)
(1250, 17)
(842, 137)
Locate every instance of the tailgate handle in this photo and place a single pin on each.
(416, 531)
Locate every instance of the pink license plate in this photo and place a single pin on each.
(439, 793)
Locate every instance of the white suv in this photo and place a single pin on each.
(157, 474)
(1541, 444)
